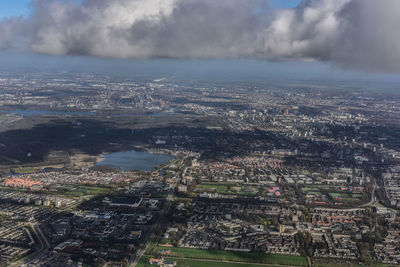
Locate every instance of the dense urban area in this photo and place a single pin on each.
(258, 174)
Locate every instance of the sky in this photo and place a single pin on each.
(320, 39)
(285, 3)
(21, 7)
(14, 8)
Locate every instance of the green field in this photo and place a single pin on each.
(6, 188)
(315, 188)
(314, 193)
(338, 265)
(226, 189)
(83, 190)
(69, 190)
(348, 264)
(346, 196)
(222, 255)
(341, 195)
(144, 262)
(221, 189)
(23, 170)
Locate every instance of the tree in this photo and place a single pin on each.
(305, 243)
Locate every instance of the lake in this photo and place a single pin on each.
(135, 160)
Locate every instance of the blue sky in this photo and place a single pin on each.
(285, 3)
(10, 8)
(13, 8)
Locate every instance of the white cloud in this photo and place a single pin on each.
(355, 33)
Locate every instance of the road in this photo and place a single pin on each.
(44, 246)
(373, 200)
(136, 257)
(44, 242)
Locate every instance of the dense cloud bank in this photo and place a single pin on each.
(362, 34)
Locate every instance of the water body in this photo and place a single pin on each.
(26, 113)
(135, 160)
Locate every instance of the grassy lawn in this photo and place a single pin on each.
(68, 190)
(341, 195)
(227, 189)
(6, 188)
(23, 170)
(221, 189)
(82, 190)
(144, 262)
(248, 190)
(222, 255)
(314, 193)
(307, 189)
(315, 188)
(347, 264)
(347, 197)
(351, 200)
(194, 263)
